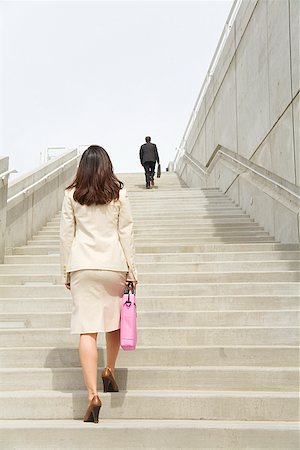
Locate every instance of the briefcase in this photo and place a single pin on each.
(158, 171)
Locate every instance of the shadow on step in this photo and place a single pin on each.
(71, 379)
(143, 186)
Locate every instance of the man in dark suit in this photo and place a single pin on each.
(148, 157)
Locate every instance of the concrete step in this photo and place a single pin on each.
(163, 318)
(178, 336)
(182, 189)
(168, 277)
(38, 269)
(155, 303)
(213, 257)
(175, 240)
(208, 224)
(226, 214)
(163, 221)
(144, 356)
(153, 234)
(179, 194)
(214, 266)
(173, 206)
(140, 229)
(256, 257)
(157, 194)
(204, 239)
(179, 248)
(141, 188)
(184, 206)
(139, 219)
(40, 289)
(178, 191)
(177, 211)
(177, 203)
(187, 220)
(167, 267)
(151, 378)
(192, 200)
(155, 434)
(208, 405)
(132, 189)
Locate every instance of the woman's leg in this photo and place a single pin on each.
(112, 348)
(88, 354)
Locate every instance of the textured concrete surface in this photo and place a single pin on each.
(26, 214)
(251, 107)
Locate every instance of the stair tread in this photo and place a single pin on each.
(159, 368)
(152, 393)
(147, 423)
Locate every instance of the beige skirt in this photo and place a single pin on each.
(96, 300)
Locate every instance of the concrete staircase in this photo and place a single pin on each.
(218, 316)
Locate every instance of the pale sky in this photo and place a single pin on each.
(102, 72)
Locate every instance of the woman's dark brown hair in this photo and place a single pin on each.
(95, 182)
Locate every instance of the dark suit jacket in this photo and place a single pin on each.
(148, 152)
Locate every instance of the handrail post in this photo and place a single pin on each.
(4, 161)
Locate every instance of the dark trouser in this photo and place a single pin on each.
(149, 167)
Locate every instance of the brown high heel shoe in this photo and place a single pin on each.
(92, 412)
(109, 383)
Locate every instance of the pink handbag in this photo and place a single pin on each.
(128, 331)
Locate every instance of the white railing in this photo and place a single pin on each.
(257, 172)
(5, 174)
(44, 179)
(223, 38)
(33, 199)
(204, 172)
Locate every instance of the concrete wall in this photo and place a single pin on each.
(29, 212)
(252, 107)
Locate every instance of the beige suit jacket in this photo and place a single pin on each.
(97, 236)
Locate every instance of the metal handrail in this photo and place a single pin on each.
(247, 166)
(202, 170)
(261, 175)
(230, 19)
(44, 178)
(3, 175)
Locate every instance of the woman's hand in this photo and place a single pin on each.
(68, 286)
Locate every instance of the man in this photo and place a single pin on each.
(148, 157)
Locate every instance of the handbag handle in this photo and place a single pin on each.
(129, 287)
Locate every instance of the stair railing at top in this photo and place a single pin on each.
(5, 174)
(223, 38)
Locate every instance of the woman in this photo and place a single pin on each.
(97, 257)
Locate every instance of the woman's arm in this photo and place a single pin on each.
(66, 234)
(125, 229)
